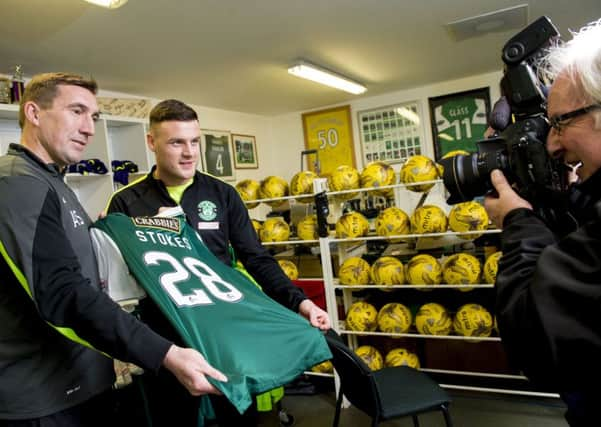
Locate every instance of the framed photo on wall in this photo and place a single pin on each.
(331, 134)
(392, 133)
(216, 154)
(245, 151)
(459, 120)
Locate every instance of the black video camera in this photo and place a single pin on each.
(519, 149)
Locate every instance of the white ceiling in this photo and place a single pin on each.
(233, 54)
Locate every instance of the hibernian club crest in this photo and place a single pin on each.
(207, 210)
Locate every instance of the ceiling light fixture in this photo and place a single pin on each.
(325, 77)
(109, 4)
(497, 21)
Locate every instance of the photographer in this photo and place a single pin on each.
(549, 285)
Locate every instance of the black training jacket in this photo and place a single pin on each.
(548, 294)
(52, 309)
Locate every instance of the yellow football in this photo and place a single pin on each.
(362, 316)
(418, 169)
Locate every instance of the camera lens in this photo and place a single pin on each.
(466, 177)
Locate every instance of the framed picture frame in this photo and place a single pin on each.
(216, 154)
(330, 132)
(459, 120)
(391, 133)
(245, 151)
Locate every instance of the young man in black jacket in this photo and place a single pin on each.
(58, 326)
(549, 285)
(216, 211)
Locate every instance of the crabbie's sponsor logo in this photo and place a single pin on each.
(169, 224)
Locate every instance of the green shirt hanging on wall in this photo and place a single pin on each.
(459, 121)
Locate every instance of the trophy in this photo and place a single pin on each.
(18, 85)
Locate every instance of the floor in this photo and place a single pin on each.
(468, 409)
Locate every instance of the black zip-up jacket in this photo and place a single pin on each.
(548, 294)
(52, 308)
(216, 211)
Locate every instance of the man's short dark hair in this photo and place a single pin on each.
(172, 110)
(42, 89)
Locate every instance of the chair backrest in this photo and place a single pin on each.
(356, 378)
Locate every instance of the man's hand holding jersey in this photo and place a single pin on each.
(315, 315)
(191, 369)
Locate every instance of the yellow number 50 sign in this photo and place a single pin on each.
(330, 132)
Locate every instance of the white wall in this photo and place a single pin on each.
(280, 138)
(287, 139)
(235, 122)
(287, 131)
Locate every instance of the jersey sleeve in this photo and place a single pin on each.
(257, 260)
(114, 274)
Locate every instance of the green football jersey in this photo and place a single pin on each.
(256, 342)
(463, 122)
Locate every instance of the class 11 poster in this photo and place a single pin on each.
(459, 120)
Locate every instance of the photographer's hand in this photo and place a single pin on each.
(504, 201)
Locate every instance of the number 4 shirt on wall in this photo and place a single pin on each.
(256, 342)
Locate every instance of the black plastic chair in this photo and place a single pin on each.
(387, 393)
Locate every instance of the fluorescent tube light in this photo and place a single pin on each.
(325, 77)
(109, 4)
